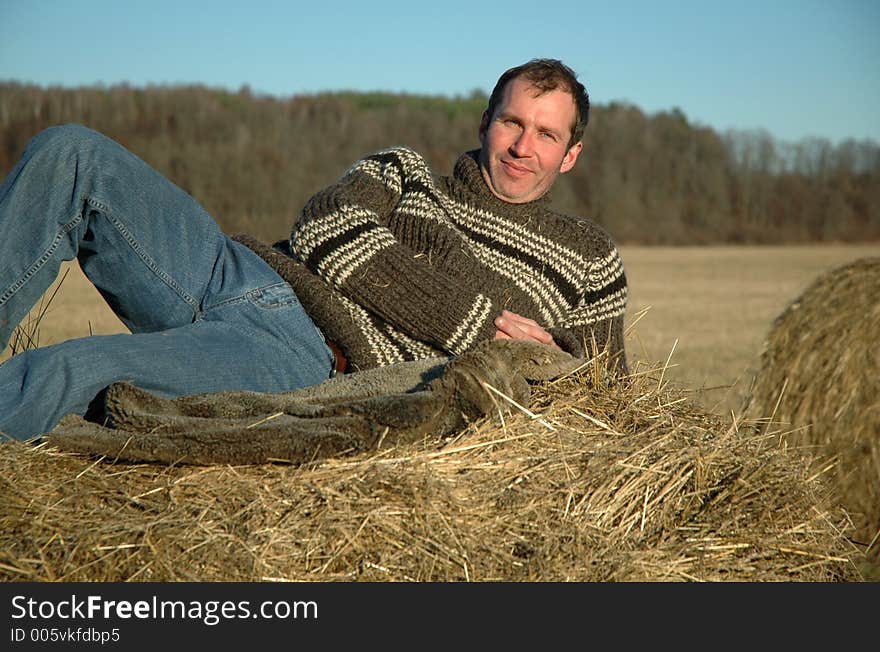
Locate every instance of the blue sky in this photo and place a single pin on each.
(797, 68)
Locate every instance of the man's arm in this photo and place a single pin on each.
(345, 235)
(594, 327)
(608, 334)
(596, 324)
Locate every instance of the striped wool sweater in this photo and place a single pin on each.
(395, 264)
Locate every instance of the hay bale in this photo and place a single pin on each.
(628, 482)
(819, 385)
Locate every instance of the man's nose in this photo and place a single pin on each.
(524, 144)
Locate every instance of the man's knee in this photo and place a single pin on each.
(63, 139)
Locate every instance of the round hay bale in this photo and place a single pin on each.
(819, 382)
(628, 482)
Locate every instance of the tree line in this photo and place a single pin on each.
(252, 161)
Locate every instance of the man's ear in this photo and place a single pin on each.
(484, 126)
(571, 157)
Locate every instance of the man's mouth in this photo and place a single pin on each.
(515, 170)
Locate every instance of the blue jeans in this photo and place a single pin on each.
(206, 314)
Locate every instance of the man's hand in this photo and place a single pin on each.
(511, 326)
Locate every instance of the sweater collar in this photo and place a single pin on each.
(467, 171)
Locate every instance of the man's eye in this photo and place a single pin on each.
(548, 136)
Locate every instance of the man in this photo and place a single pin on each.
(391, 263)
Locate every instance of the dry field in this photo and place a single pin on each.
(708, 309)
(712, 307)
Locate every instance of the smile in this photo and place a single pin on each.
(515, 170)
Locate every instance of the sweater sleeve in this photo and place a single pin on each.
(348, 234)
(595, 325)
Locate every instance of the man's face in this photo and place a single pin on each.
(524, 146)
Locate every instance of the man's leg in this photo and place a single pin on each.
(262, 341)
(161, 263)
(148, 247)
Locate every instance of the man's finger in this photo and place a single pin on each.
(522, 330)
(529, 327)
(519, 319)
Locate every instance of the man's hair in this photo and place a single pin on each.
(547, 75)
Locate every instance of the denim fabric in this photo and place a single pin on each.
(205, 313)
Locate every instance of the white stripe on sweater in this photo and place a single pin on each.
(382, 350)
(466, 332)
(345, 260)
(566, 261)
(309, 235)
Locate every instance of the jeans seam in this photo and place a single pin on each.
(145, 258)
(37, 265)
(226, 302)
(253, 295)
(249, 297)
